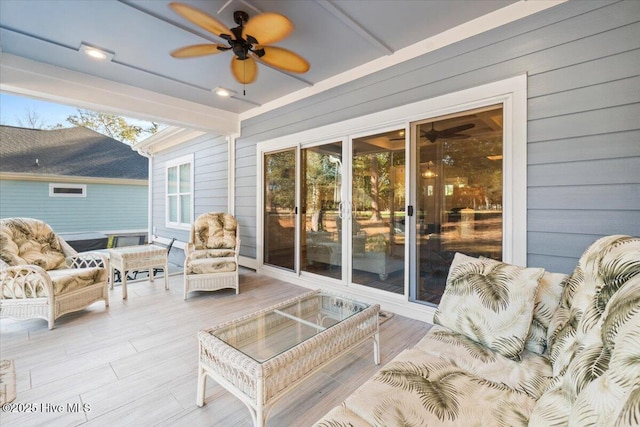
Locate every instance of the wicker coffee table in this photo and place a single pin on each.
(144, 257)
(263, 356)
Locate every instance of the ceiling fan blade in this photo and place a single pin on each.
(200, 18)
(268, 27)
(457, 129)
(283, 59)
(244, 71)
(197, 50)
(456, 136)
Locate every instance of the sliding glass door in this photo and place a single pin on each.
(378, 211)
(360, 224)
(280, 209)
(459, 194)
(321, 215)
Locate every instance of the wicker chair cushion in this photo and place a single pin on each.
(490, 302)
(29, 241)
(215, 230)
(210, 265)
(64, 281)
(212, 253)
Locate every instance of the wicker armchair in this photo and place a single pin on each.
(211, 260)
(41, 276)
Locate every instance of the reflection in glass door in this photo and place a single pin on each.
(279, 209)
(378, 211)
(459, 194)
(321, 237)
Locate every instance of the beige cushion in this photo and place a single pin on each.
(546, 303)
(214, 230)
(29, 241)
(490, 302)
(594, 341)
(210, 265)
(63, 280)
(420, 389)
(212, 253)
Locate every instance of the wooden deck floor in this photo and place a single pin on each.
(135, 364)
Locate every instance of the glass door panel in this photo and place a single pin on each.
(321, 237)
(459, 194)
(378, 211)
(279, 209)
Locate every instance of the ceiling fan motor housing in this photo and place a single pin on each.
(242, 46)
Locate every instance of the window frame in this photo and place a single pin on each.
(182, 223)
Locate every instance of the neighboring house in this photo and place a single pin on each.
(75, 179)
(571, 143)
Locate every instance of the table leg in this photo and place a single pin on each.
(124, 284)
(166, 275)
(376, 348)
(202, 384)
(151, 275)
(112, 275)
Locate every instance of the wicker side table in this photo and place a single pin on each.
(263, 356)
(138, 258)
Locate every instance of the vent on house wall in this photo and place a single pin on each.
(67, 190)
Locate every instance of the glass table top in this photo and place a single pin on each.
(268, 333)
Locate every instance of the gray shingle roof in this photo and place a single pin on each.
(70, 152)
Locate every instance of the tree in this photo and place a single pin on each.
(114, 126)
(33, 120)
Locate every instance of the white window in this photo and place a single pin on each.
(67, 190)
(179, 190)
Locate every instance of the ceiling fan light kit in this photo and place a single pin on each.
(249, 41)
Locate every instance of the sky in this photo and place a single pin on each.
(14, 108)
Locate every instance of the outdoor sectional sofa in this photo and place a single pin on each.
(518, 346)
(41, 276)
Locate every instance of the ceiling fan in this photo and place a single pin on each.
(449, 133)
(249, 41)
(434, 134)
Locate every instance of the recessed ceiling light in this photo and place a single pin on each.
(96, 53)
(223, 92)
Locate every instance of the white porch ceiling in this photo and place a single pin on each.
(341, 39)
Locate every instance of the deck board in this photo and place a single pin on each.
(136, 362)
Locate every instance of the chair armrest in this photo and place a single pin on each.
(189, 248)
(88, 260)
(25, 281)
(237, 248)
(67, 250)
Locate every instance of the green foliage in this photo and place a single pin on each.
(112, 125)
(280, 169)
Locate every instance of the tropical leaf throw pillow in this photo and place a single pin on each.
(490, 302)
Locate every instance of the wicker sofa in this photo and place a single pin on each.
(41, 276)
(576, 361)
